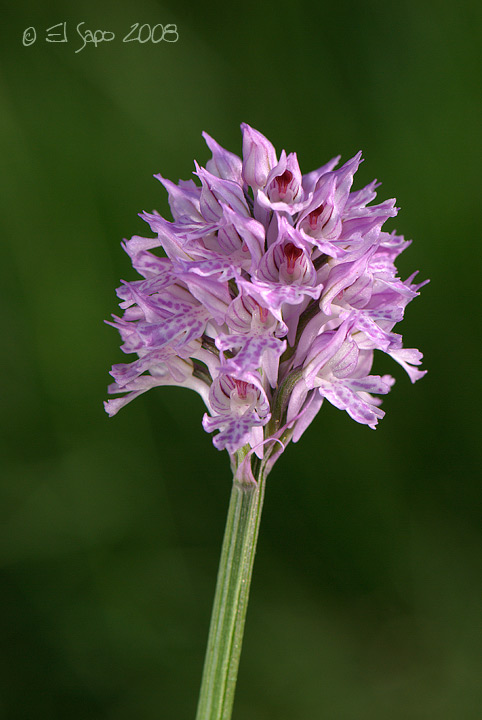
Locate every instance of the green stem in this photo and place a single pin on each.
(231, 601)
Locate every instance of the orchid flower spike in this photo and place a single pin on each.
(268, 293)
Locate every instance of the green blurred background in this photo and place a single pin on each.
(366, 599)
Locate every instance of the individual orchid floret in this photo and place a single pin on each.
(255, 340)
(284, 189)
(239, 409)
(223, 163)
(216, 191)
(287, 262)
(284, 181)
(333, 366)
(176, 372)
(259, 157)
(268, 293)
(322, 218)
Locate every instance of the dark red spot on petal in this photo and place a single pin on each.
(292, 253)
(314, 215)
(283, 181)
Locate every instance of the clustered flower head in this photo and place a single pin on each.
(272, 293)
